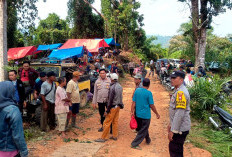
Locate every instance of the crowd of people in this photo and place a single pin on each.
(62, 102)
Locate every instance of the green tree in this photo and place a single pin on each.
(202, 13)
(50, 30)
(21, 16)
(84, 23)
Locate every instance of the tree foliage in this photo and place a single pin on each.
(202, 13)
(217, 48)
(124, 22)
(85, 24)
(21, 16)
(50, 30)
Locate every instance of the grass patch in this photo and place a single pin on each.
(33, 133)
(218, 142)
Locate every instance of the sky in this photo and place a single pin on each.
(161, 17)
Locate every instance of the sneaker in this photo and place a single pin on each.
(114, 138)
(100, 140)
(136, 147)
(75, 126)
(100, 130)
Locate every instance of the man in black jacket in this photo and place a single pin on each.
(20, 96)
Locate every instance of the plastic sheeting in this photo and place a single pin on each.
(62, 54)
(111, 41)
(20, 52)
(92, 45)
(49, 47)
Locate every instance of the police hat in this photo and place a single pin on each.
(178, 74)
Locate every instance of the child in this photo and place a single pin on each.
(62, 105)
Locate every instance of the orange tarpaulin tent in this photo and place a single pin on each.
(91, 44)
(20, 52)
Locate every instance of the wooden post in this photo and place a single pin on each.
(3, 38)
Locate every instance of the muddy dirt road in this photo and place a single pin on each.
(83, 144)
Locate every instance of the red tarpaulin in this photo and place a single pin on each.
(20, 52)
(91, 44)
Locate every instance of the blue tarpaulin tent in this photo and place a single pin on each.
(111, 42)
(49, 47)
(62, 54)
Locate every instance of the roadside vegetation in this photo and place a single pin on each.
(204, 95)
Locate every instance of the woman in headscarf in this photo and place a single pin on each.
(12, 142)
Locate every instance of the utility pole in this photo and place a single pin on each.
(3, 38)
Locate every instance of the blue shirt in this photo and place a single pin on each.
(143, 99)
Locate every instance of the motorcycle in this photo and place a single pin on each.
(222, 119)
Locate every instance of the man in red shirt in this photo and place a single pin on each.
(28, 76)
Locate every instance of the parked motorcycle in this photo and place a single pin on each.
(221, 119)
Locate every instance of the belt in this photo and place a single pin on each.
(115, 106)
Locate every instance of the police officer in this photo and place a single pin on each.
(101, 93)
(179, 110)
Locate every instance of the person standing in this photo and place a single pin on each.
(47, 93)
(12, 141)
(62, 105)
(131, 66)
(179, 113)
(142, 104)
(73, 94)
(115, 68)
(101, 93)
(188, 80)
(19, 90)
(138, 84)
(113, 108)
(28, 76)
(37, 88)
(143, 71)
(152, 69)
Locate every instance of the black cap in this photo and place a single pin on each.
(178, 74)
(51, 73)
(42, 74)
(102, 69)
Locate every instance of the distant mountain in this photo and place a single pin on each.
(163, 40)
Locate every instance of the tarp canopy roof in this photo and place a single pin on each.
(111, 41)
(20, 52)
(91, 44)
(62, 54)
(49, 47)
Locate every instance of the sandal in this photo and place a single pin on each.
(136, 147)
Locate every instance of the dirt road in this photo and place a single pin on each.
(84, 145)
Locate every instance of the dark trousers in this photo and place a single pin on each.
(48, 117)
(176, 146)
(102, 109)
(143, 133)
(131, 71)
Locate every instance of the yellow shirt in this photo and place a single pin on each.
(73, 89)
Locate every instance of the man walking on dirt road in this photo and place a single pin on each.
(179, 113)
(142, 104)
(113, 107)
(101, 93)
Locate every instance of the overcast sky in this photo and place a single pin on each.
(161, 17)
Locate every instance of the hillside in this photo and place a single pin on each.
(163, 40)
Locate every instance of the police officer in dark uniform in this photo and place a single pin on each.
(179, 113)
